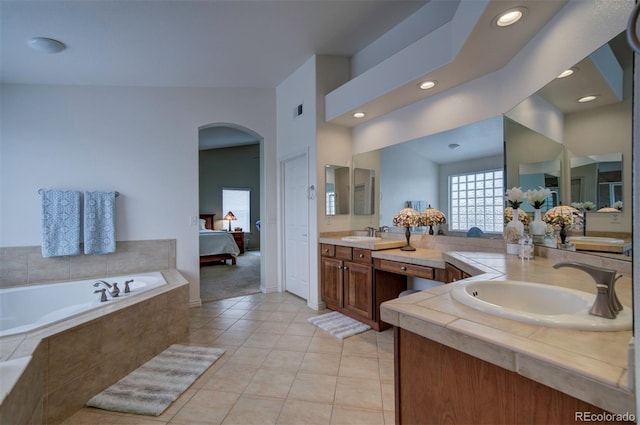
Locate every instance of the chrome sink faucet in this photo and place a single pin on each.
(371, 231)
(606, 304)
(107, 287)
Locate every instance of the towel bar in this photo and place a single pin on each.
(40, 192)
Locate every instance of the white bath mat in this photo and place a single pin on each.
(338, 325)
(151, 388)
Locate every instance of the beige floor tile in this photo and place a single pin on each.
(293, 343)
(388, 397)
(257, 315)
(280, 359)
(250, 356)
(204, 336)
(135, 420)
(89, 415)
(385, 351)
(357, 392)
(261, 340)
(385, 336)
(221, 323)
(233, 313)
(175, 407)
(389, 418)
(232, 378)
(312, 387)
(359, 367)
(274, 383)
(321, 363)
(303, 412)
(282, 316)
(328, 344)
(273, 327)
(232, 338)
(303, 329)
(244, 324)
(360, 347)
(206, 407)
(250, 410)
(350, 416)
(387, 369)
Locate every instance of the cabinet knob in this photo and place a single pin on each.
(326, 250)
(345, 268)
(361, 255)
(403, 268)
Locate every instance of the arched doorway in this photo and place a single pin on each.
(230, 178)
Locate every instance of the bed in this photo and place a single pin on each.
(216, 245)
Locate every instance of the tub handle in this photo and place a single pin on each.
(103, 297)
(126, 286)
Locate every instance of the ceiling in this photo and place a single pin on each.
(185, 43)
(232, 43)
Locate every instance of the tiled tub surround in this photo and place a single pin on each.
(75, 359)
(26, 266)
(590, 366)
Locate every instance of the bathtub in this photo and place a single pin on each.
(28, 308)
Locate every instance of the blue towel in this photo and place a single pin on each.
(99, 222)
(60, 223)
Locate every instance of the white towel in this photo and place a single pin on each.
(99, 222)
(60, 223)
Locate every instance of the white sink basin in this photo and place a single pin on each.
(595, 239)
(538, 304)
(360, 238)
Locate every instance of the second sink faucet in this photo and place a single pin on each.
(371, 231)
(606, 303)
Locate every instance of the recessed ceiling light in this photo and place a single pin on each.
(46, 45)
(566, 73)
(510, 17)
(453, 146)
(358, 115)
(426, 85)
(589, 98)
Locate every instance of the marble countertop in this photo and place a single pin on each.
(591, 366)
(383, 243)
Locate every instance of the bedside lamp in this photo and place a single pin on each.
(407, 217)
(229, 217)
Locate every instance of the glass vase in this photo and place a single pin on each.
(515, 222)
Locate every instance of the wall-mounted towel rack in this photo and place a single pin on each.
(40, 192)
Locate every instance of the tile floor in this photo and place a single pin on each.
(277, 369)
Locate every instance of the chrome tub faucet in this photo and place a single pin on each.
(107, 287)
(606, 304)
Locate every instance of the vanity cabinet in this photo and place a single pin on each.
(347, 280)
(454, 274)
(464, 389)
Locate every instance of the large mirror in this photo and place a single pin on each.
(539, 145)
(597, 179)
(336, 188)
(364, 191)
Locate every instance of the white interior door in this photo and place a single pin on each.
(296, 226)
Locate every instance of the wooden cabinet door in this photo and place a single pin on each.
(358, 289)
(453, 273)
(331, 282)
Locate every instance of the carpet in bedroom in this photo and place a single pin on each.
(219, 281)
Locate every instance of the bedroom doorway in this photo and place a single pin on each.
(229, 158)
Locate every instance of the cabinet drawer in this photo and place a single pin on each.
(343, 252)
(362, 255)
(404, 268)
(327, 250)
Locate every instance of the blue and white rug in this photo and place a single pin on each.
(152, 387)
(339, 325)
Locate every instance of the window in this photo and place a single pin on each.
(330, 200)
(238, 201)
(476, 199)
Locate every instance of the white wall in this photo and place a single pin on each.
(142, 142)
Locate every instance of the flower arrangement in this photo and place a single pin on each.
(583, 206)
(522, 216)
(537, 197)
(432, 217)
(407, 217)
(563, 215)
(617, 205)
(514, 197)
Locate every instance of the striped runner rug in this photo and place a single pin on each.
(338, 325)
(152, 387)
